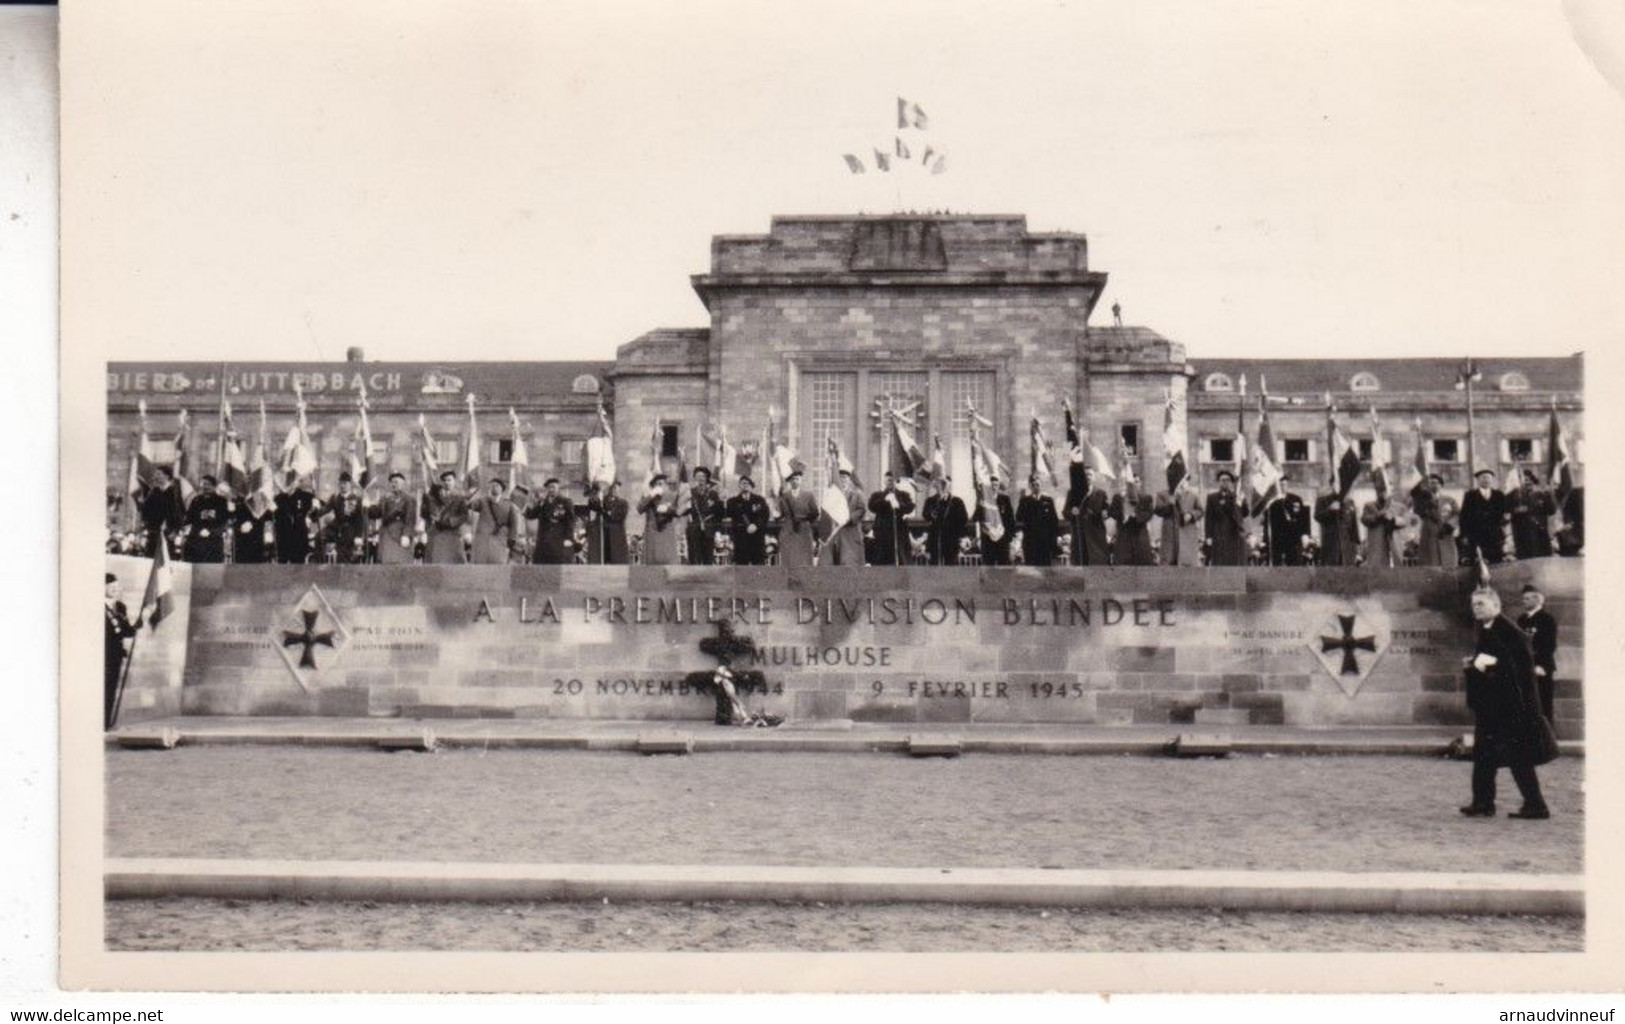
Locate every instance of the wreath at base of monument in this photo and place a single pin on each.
(727, 686)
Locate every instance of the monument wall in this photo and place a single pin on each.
(1300, 647)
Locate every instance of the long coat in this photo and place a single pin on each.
(1339, 530)
(119, 629)
(1541, 629)
(659, 511)
(248, 544)
(1181, 515)
(1288, 523)
(1483, 524)
(1378, 519)
(1509, 727)
(996, 552)
(349, 529)
(946, 519)
(291, 525)
(845, 545)
(606, 529)
(446, 514)
(1436, 535)
(1531, 510)
(1040, 526)
(497, 529)
(705, 510)
(162, 513)
(1222, 522)
(1133, 517)
(208, 520)
(397, 516)
(891, 532)
(798, 514)
(744, 512)
(555, 530)
(1086, 514)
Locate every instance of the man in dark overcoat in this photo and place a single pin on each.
(891, 505)
(747, 524)
(1541, 628)
(1484, 517)
(120, 638)
(1038, 523)
(1224, 523)
(1509, 730)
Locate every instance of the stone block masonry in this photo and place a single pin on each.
(940, 646)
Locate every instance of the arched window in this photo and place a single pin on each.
(1365, 380)
(1514, 381)
(1218, 382)
(586, 384)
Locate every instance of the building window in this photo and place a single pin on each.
(447, 452)
(502, 450)
(1365, 381)
(572, 451)
(668, 441)
(586, 384)
(1218, 382)
(1514, 381)
(1364, 446)
(964, 390)
(829, 404)
(1220, 449)
(1446, 449)
(1520, 449)
(897, 391)
(1130, 435)
(1296, 449)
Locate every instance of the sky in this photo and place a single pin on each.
(510, 180)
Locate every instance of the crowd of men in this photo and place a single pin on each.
(904, 522)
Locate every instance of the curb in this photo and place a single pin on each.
(1271, 891)
(720, 740)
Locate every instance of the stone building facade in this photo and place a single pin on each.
(823, 322)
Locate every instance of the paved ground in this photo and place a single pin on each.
(983, 810)
(713, 927)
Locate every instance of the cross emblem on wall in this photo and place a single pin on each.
(1349, 643)
(318, 626)
(309, 639)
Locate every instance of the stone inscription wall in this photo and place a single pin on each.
(1120, 646)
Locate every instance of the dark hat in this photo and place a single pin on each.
(499, 482)
(110, 579)
(397, 476)
(550, 481)
(345, 478)
(448, 472)
(520, 489)
(1530, 588)
(1484, 472)
(746, 480)
(701, 469)
(795, 474)
(207, 480)
(658, 478)
(1225, 473)
(1435, 476)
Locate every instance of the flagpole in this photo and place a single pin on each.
(220, 436)
(123, 678)
(1469, 371)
